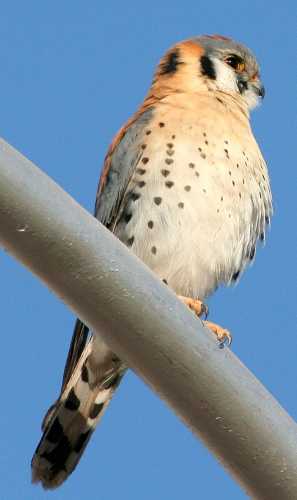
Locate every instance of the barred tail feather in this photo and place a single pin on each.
(71, 421)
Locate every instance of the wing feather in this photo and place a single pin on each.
(119, 166)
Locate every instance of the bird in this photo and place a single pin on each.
(185, 187)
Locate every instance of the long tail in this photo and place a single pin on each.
(70, 422)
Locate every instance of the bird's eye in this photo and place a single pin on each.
(235, 62)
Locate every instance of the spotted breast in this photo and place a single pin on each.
(199, 196)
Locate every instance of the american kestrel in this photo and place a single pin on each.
(185, 187)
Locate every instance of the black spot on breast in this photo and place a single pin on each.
(150, 224)
(161, 124)
(207, 67)
(72, 402)
(141, 171)
(181, 204)
(170, 63)
(127, 217)
(82, 440)
(154, 250)
(134, 196)
(169, 184)
(95, 410)
(158, 200)
(165, 172)
(130, 241)
(56, 432)
(145, 160)
(165, 281)
(168, 161)
(252, 253)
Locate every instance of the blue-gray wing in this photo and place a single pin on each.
(119, 166)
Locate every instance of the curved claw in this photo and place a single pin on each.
(204, 310)
(198, 307)
(225, 341)
(224, 337)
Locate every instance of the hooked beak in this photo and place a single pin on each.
(257, 86)
(260, 90)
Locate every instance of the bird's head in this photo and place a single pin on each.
(212, 63)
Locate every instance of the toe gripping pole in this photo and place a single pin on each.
(118, 297)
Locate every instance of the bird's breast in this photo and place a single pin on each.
(195, 205)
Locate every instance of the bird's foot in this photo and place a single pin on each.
(195, 305)
(199, 308)
(224, 336)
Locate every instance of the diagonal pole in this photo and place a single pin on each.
(147, 326)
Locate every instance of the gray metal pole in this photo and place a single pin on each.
(146, 325)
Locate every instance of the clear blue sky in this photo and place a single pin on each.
(71, 73)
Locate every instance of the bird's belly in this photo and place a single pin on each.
(189, 228)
